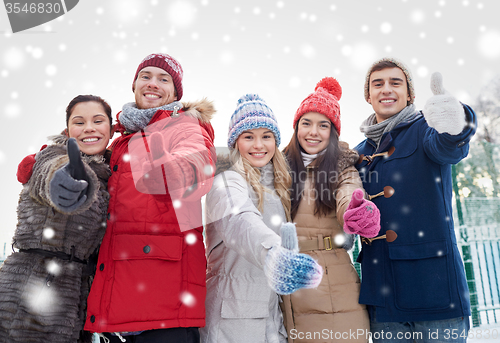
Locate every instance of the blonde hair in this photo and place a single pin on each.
(282, 178)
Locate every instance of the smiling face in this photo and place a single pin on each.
(313, 132)
(257, 146)
(90, 126)
(154, 87)
(388, 93)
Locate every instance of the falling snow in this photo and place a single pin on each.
(176, 204)
(277, 49)
(191, 238)
(276, 220)
(188, 299)
(48, 233)
(339, 239)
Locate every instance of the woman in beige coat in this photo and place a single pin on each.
(324, 180)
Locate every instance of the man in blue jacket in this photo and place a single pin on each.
(413, 279)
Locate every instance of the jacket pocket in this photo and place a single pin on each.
(405, 146)
(147, 272)
(133, 247)
(420, 275)
(236, 308)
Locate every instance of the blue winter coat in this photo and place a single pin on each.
(419, 276)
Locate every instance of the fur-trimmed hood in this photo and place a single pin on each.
(223, 163)
(62, 139)
(203, 109)
(348, 157)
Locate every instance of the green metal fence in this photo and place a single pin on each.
(479, 238)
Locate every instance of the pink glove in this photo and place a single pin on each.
(362, 217)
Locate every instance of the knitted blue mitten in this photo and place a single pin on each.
(287, 270)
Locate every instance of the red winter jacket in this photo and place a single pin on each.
(151, 268)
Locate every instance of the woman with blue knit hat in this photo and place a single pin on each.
(248, 208)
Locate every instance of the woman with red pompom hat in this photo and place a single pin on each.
(329, 209)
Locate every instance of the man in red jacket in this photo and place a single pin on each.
(150, 280)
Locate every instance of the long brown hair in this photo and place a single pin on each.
(324, 172)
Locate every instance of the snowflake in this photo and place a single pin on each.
(176, 203)
(191, 238)
(182, 14)
(188, 299)
(294, 82)
(489, 44)
(422, 71)
(208, 169)
(41, 298)
(12, 110)
(53, 267)
(141, 287)
(385, 290)
(14, 58)
(48, 233)
(276, 220)
(51, 70)
(386, 27)
(417, 16)
(37, 53)
(339, 239)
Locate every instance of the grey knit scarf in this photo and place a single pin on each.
(375, 131)
(135, 119)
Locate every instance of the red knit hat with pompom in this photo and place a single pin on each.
(324, 100)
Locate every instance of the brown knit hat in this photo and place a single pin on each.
(324, 100)
(167, 63)
(400, 65)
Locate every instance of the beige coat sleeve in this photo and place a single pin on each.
(349, 181)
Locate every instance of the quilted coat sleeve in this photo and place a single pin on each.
(349, 181)
(48, 161)
(450, 149)
(232, 213)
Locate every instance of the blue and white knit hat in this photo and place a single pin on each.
(251, 112)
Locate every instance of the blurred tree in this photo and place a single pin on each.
(479, 172)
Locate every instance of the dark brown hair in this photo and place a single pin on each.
(324, 172)
(384, 65)
(87, 98)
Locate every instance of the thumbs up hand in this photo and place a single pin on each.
(68, 186)
(362, 217)
(443, 112)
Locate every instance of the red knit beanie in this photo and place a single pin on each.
(324, 100)
(167, 63)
